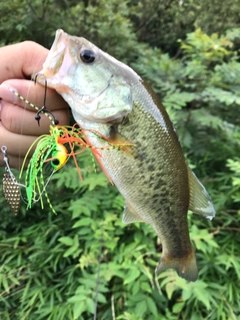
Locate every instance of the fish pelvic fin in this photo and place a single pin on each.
(200, 201)
(186, 267)
(130, 215)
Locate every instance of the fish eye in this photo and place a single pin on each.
(87, 56)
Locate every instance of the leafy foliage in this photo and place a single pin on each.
(50, 263)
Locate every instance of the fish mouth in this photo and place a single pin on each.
(56, 66)
(56, 55)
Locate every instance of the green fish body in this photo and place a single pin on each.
(153, 176)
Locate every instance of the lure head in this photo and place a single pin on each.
(59, 156)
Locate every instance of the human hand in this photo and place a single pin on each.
(18, 127)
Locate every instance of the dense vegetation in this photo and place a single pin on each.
(50, 263)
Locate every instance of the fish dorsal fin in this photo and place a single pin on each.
(200, 201)
(130, 216)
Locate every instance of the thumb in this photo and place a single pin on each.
(21, 60)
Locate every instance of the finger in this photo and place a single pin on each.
(34, 93)
(23, 122)
(17, 145)
(21, 60)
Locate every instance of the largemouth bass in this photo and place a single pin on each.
(153, 177)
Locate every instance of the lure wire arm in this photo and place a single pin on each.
(7, 167)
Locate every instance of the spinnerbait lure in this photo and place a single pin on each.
(55, 148)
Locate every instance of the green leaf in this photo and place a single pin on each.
(77, 298)
(178, 307)
(66, 240)
(78, 309)
(141, 308)
(90, 305)
(101, 298)
(69, 251)
(146, 287)
(170, 287)
(83, 222)
(152, 306)
(132, 275)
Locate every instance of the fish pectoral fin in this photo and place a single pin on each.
(200, 201)
(119, 141)
(130, 216)
(186, 267)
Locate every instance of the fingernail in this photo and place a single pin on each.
(9, 94)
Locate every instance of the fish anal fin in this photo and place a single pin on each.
(186, 267)
(130, 216)
(199, 200)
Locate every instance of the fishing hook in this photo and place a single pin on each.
(44, 109)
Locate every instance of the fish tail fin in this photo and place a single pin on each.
(186, 267)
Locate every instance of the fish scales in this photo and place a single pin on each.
(153, 176)
(157, 189)
(147, 164)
